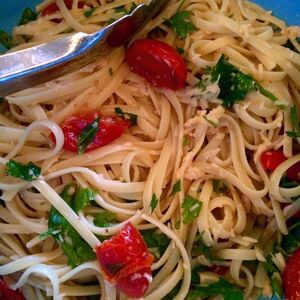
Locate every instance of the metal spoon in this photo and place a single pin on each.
(30, 67)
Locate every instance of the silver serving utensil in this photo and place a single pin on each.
(30, 67)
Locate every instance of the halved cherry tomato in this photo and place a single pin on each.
(110, 128)
(7, 293)
(126, 260)
(158, 63)
(271, 159)
(291, 277)
(221, 270)
(293, 172)
(52, 8)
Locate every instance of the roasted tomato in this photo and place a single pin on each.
(158, 63)
(7, 293)
(110, 128)
(52, 8)
(291, 277)
(125, 261)
(271, 159)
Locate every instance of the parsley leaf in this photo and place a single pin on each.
(105, 219)
(28, 172)
(295, 123)
(153, 203)
(6, 40)
(83, 198)
(74, 247)
(156, 241)
(89, 13)
(200, 248)
(181, 24)
(223, 287)
(191, 208)
(129, 116)
(28, 15)
(87, 135)
(235, 85)
(176, 187)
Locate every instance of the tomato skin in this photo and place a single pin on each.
(158, 63)
(110, 128)
(125, 261)
(221, 270)
(291, 276)
(52, 8)
(293, 171)
(7, 293)
(271, 159)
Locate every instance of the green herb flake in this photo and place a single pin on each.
(235, 85)
(88, 13)
(219, 187)
(87, 135)
(6, 40)
(295, 123)
(277, 285)
(153, 203)
(27, 172)
(287, 184)
(156, 241)
(180, 50)
(83, 198)
(200, 248)
(28, 15)
(111, 20)
(181, 24)
(176, 187)
(128, 116)
(191, 208)
(223, 287)
(210, 122)
(122, 9)
(105, 219)
(186, 141)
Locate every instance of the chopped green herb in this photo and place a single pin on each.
(200, 248)
(105, 219)
(295, 123)
(156, 241)
(277, 285)
(181, 24)
(210, 122)
(176, 187)
(28, 15)
(83, 198)
(219, 187)
(74, 247)
(235, 85)
(129, 116)
(287, 184)
(180, 50)
(122, 9)
(111, 71)
(28, 172)
(223, 287)
(191, 208)
(6, 40)
(87, 135)
(186, 141)
(89, 13)
(177, 224)
(269, 265)
(291, 241)
(153, 203)
(111, 20)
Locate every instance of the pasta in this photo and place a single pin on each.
(188, 173)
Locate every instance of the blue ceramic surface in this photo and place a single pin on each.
(11, 10)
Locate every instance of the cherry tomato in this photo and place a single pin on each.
(291, 277)
(271, 159)
(110, 128)
(158, 63)
(7, 293)
(221, 270)
(125, 261)
(293, 172)
(52, 8)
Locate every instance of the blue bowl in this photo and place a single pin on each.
(10, 12)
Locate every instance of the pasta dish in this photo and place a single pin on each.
(168, 169)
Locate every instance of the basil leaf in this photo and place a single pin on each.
(87, 135)
(6, 40)
(176, 187)
(181, 24)
(28, 15)
(153, 203)
(128, 116)
(105, 219)
(191, 209)
(89, 13)
(223, 287)
(83, 198)
(156, 241)
(27, 172)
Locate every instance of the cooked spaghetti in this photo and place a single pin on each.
(189, 171)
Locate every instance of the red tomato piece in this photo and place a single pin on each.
(291, 277)
(271, 159)
(221, 270)
(52, 8)
(110, 128)
(125, 261)
(158, 63)
(293, 172)
(6, 293)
